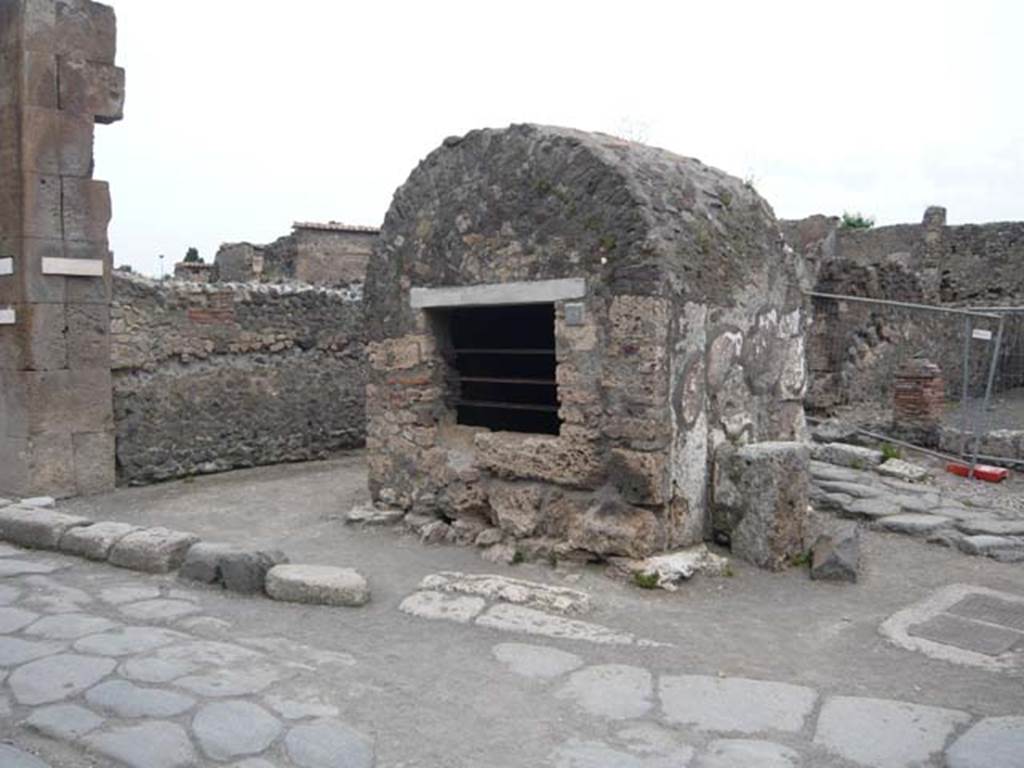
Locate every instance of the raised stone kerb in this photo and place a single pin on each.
(154, 550)
(317, 584)
(35, 527)
(235, 568)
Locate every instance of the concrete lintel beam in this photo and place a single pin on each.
(495, 294)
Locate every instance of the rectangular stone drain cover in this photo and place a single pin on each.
(992, 610)
(968, 635)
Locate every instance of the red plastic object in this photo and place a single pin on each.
(981, 471)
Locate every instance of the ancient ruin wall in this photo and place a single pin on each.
(688, 333)
(57, 79)
(213, 377)
(853, 350)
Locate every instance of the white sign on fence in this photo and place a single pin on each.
(981, 334)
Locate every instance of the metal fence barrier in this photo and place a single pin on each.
(947, 379)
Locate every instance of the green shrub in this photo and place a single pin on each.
(890, 451)
(856, 221)
(645, 580)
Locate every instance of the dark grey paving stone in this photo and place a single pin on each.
(885, 734)
(12, 757)
(968, 635)
(613, 691)
(57, 678)
(328, 744)
(121, 698)
(747, 753)
(13, 619)
(11, 567)
(149, 745)
(734, 704)
(995, 741)
(64, 722)
(69, 626)
(15, 651)
(129, 640)
(231, 729)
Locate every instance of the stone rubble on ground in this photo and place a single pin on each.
(835, 556)
(917, 509)
(508, 590)
(672, 568)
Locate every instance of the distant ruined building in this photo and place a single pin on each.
(316, 254)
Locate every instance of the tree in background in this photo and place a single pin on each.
(192, 256)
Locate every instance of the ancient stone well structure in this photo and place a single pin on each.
(57, 78)
(564, 327)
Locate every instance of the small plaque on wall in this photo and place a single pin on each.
(73, 267)
(7, 316)
(6, 266)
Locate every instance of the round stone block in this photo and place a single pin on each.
(317, 584)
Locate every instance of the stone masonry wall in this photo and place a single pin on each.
(688, 333)
(217, 376)
(854, 350)
(57, 79)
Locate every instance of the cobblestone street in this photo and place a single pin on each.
(108, 667)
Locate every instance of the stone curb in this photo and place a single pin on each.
(36, 525)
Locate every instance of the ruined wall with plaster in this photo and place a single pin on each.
(213, 377)
(854, 350)
(57, 80)
(689, 333)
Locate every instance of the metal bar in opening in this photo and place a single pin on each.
(507, 406)
(965, 395)
(503, 351)
(903, 305)
(491, 380)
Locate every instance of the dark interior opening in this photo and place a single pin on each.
(503, 360)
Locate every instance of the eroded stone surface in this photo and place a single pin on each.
(734, 704)
(15, 651)
(435, 605)
(123, 699)
(991, 742)
(504, 589)
(95, 541)
(536, 661)
(130, 640)
(13, 619)
(69, 626)
(328, 744)
(56, 678)
(516, 618)
(65, 722)
(613, 691)
(12, 757)
(153, 550)
(148, 745)
(886, 734)
(231, 729)
(317, 584)
(747, 753)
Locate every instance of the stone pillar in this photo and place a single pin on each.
(57, 79)
(918, 402)
(933, 234)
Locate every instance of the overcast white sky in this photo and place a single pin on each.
(246, 115)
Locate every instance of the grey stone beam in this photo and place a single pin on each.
(492, 294)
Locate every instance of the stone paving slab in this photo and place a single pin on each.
(885, 734)
(735, 704)
(995, 741)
